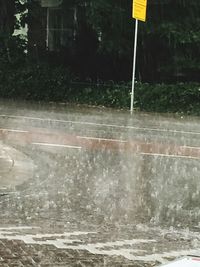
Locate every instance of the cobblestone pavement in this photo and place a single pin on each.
(69, 204)
(32, 246)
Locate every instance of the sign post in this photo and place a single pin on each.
(139, 13)
(134, 65)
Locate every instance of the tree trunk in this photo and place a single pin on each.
(7, 18)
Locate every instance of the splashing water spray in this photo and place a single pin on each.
(189, 261)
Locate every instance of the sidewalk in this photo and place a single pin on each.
(15, 167)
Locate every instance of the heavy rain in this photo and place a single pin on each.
(83, 181)
(99, 182)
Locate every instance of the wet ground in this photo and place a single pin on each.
(96, 187)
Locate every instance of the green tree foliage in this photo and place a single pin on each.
(103, 44)
(11, 47)
(168, 43)
(7, 12)
(112, 22)
(7, 21)
(111, 19)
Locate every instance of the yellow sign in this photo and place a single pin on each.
(139, 9)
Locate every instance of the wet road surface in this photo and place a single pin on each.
(96, 187)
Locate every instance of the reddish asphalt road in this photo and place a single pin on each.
(95, 187)
(60, 139)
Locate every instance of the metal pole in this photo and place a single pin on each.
(134, 65)
(47, 40)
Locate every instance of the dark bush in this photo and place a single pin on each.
(41, 82)
(34, 82)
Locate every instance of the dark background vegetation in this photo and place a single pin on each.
(95, 66)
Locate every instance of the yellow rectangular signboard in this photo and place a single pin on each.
(139, 9)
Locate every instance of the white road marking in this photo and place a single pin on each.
(103, 124)
(106, 139)
(167, 156)
(13, 130)
(190, 147)
(66, 241)
(75, 241)
(7, 229)
(161, 257)
(102, 139)
(57, 145)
